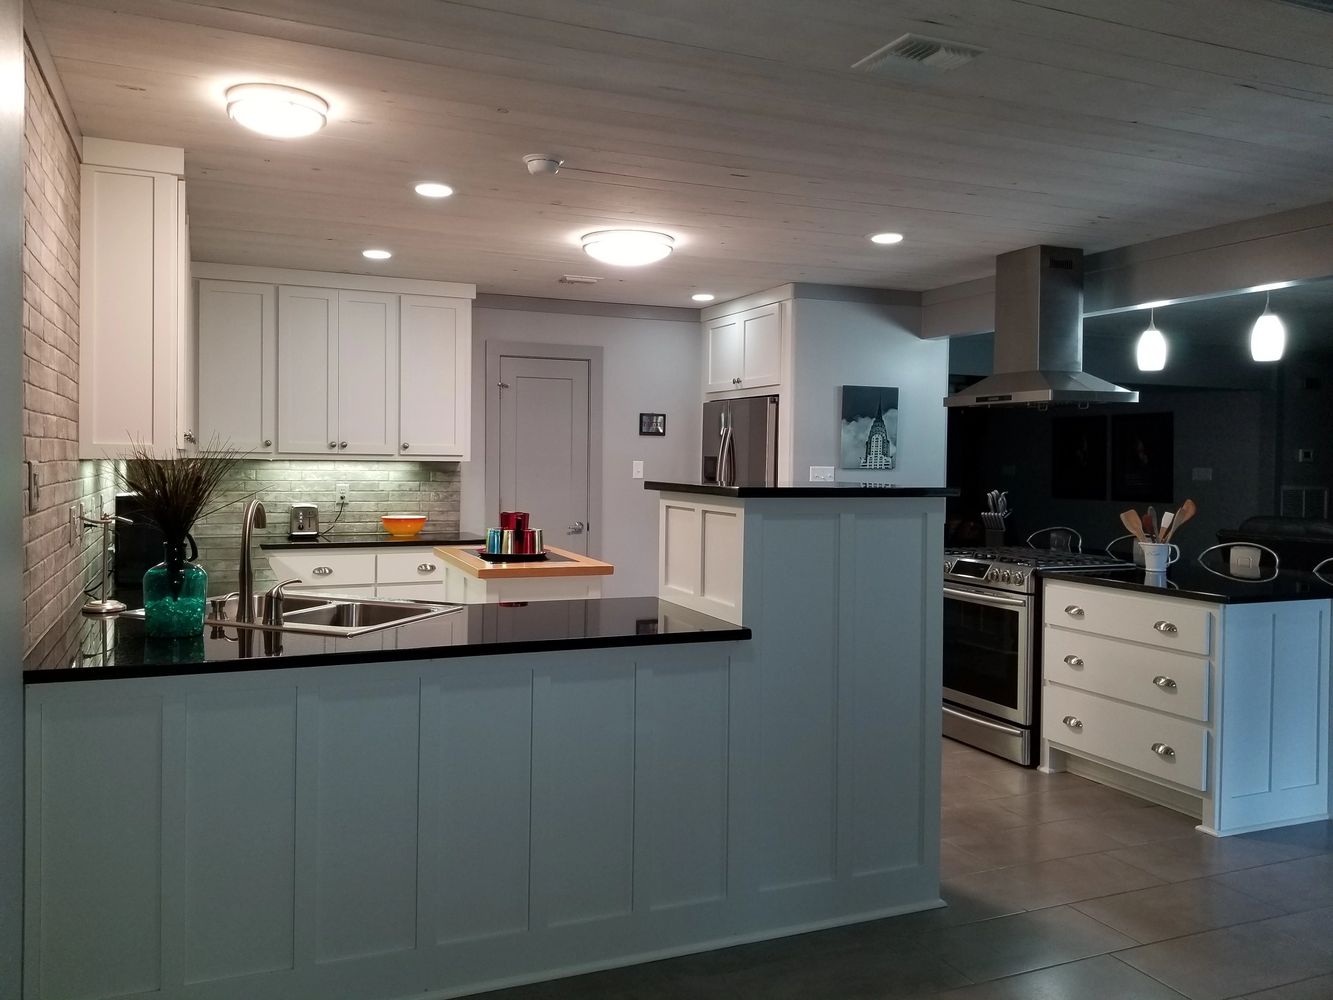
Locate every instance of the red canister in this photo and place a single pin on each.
(521, 518)
(507, 518)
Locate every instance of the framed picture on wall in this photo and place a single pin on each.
(1078, 458)
(869, 427)
(1143, 457)
(652, 425)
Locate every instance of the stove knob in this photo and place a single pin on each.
(992, 574)
(1006, 576)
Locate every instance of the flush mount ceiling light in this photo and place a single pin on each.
(277, 111)
(1151, 350)
(433, 189)
(886, 239)
(703, 296)
(627, 247)
(1268, 338)
(376, 254)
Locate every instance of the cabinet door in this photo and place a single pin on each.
(723, 346)
(237, 364)
(434, 372)
(367, 373)
(130, 329)
(307, 371)
(187, 362)
(761, 346)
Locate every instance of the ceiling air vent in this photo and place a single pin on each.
(578, 279)
(918, 50)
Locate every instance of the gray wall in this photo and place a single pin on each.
(1307, 420)
(859, 343)
(649, 365)
(11, 492)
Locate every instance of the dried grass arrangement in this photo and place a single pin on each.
(176, 492)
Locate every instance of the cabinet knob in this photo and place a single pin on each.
(323, 571)
(1074, 661)
(1164, 751)
(333, 444)
(426, 568)
(406, 446)
(736, 381)
(268, 442)
(1166, 628)
(1164, 682)
(342, 444)
(1074, 611)
(1073, 722)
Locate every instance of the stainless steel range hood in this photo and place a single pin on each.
(1039, 335)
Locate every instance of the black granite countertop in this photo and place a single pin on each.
(81, 648)
(349, 540)
(1190, 581)
(797, 491)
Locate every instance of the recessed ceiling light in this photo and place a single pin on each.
(884, 239)
(627, 247)
(376, 254)
(432, 189)
(703, 296)
(274, 110)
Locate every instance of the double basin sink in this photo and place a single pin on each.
(319, 614)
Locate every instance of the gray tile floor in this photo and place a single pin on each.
(1058, 889)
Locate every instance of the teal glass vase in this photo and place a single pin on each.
(175, 592)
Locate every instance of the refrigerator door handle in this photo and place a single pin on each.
(771, 443)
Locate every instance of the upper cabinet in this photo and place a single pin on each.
(133, 301)
(743, 350)
(302, 371)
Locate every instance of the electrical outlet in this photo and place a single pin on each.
(342, 492)
(637, 470)
(34, 487)
(821, 473)
(76, 525)
(1305, 455)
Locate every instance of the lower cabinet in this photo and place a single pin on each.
(405, 573)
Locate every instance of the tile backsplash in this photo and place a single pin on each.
(374, 488)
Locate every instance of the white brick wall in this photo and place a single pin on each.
(55, 566)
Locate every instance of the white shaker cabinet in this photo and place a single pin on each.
(434, 354)
(367, 373)
(238, 364)
(132, 288)
(744, 350)
(307, 371)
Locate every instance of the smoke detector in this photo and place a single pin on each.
(542, 163)
(918, 50)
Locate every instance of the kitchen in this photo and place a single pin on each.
(275, 234)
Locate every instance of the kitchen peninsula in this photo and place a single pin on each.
(499, 794)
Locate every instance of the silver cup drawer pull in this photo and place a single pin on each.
(1164, 751)
(1073, 722)
(1074, 661)
(322, 571)
(1164, 682)
(1073, 611)
(1166, 628)
(427, 568)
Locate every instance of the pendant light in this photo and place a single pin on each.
(1151, 350)
(1268, 339)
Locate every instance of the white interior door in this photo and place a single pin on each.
(367, 373)
(543, 459)
(307, 370)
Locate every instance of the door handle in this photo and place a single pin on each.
(576, 528)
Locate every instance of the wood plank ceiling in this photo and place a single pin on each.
(738, 127)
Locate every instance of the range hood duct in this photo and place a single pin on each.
(1039, 335)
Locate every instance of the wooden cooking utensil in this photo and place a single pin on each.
(1131, 520)
(1187, 511)
(1167, 518)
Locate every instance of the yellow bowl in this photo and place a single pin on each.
(403, 525)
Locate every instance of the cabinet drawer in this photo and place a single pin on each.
(410, 566)
(326, 569)
(1126, 735)
(412, 591)
(1157, 621)
(1154, 678)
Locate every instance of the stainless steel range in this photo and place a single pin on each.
(992, 637)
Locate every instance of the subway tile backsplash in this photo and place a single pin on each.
(374, 488)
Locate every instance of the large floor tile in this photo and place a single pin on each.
(1026, 941)
(1199, 856)
(1316, 837)
(978, 817)
(1132, 827)
(1101, 978)
(865, 973)
(1303, 884)
(1070, 802)
(1319, 988)
(1233, 961)
(955, 861)
(1027, 844)
(1176, 909)
(1052, 883)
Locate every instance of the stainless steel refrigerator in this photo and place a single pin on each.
(741, 442)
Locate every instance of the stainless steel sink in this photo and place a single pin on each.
(325, 614)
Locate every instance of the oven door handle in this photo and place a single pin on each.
(975, 598)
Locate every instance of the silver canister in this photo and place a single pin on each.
(493, 540)
(507, 541)
(538, 546)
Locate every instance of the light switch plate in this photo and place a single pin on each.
(821, 473)
(1202, 474)
(637, 471)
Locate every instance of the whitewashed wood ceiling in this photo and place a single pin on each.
(737, 126)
